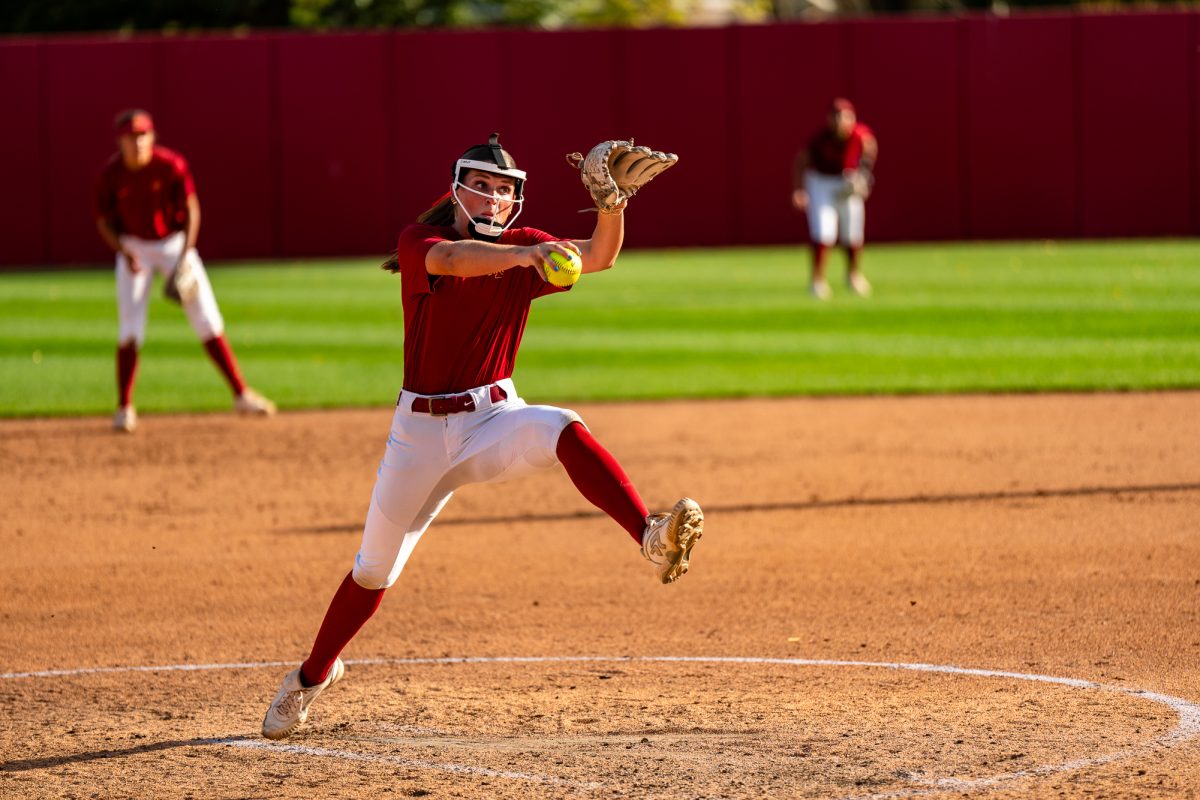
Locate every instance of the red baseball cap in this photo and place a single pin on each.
(841, 104)
(135, 121)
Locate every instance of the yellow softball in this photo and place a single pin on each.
(564, 270)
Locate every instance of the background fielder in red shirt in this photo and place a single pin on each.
(831, 179)
(467, 281)
(148, 212)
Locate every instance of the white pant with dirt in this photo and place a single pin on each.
(133, 288)
(429, 456)
(834, 214)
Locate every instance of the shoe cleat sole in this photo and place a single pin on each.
(688, 527)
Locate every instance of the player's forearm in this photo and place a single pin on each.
(470, 259)
(192, 229)
(109, 235)
(869, 154)
(601, 251)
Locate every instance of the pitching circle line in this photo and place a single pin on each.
(1187, 713)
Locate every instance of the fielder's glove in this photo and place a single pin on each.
(613, 171)
(857, 183)
(181, 286)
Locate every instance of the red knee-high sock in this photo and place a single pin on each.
(599, 478)
(221, 354)
(349, 610)
(127, 361)
(820, 254)
(854, 256)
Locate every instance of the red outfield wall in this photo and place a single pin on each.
(309, 145)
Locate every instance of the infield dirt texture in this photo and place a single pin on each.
(1053, 536)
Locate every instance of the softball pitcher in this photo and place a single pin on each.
(148, 212)
(467, 281)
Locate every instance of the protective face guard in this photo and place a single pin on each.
(481, 227)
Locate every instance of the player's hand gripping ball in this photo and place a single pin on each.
(563, 270)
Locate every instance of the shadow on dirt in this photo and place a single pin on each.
(812, 504)
(30, 764)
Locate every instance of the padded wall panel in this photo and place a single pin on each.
(787, 75)
(552, 111)
(22, 219)
(904, 79)
(333, 100)
(88, 82)
(1194, 123)
(328, 144)
(691, 115)
(442, 105)
(1021, 132)
(213, 105)
(1135, 91)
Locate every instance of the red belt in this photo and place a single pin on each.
(453, 403)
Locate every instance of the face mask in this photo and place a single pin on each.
(481, 227)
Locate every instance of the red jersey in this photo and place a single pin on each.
(460, 333)
(830, 155)
(150, 203)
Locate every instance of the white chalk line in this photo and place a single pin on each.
(67, 673)
(416, 763)
(1187, 725)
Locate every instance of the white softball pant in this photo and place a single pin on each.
(428, 457)
(833, 214)
(133, 288)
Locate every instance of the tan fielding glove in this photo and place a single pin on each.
(181, 285)
(613, 171)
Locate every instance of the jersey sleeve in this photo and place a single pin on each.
(415, 243)
(180, 187)
(868, 135)
(185, 183)
(856, 145)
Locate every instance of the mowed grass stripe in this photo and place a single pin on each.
(663, 324)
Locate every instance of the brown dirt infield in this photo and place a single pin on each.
(1051, 535)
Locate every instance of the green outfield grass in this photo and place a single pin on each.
(686, 323)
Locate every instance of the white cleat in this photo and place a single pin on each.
(125, 420)
(290, 708)
(820, 290)
(669, 538)
(251, 403)
(858, 283)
